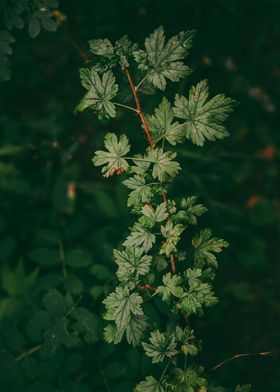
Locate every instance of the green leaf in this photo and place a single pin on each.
(186, 337)
(46, 257)
(140, 237)
(37, 324)
(162, 60)
(136, 329)
(197, 296)
(100, 93)
(78, 258)
(191, 211)
(132, 263)
(15, 281)
(164, 167)
(141, 191)
(100, 271)
(34, 27)
(121, 305)
(101, 47)
(151, 217)
(10, 149)
(55, 303)
(48, 23)
(172, 234)
(112, 160)
(112, 334)
(189, 380)
(203, 120)
(87, 324)
(124, 50)
(150, 384)
(243, 388)
(161, 124)
(112, 54)
(160, 346)
(60, 334)
(141, 165)
(205, 246)
(171, 286)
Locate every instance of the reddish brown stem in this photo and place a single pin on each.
(148, 287)
(139, 110)
(237, 356)
(172, 261)
(151, 142)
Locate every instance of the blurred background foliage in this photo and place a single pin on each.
(59, 220)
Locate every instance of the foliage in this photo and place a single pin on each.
(160, 225)
(60, 219)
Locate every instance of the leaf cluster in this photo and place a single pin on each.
(146, 262)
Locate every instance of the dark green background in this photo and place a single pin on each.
(237, 49)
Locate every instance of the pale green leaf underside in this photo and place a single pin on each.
(171, 287)
(112, 160)
(142, 192)
(206, 246)
(132, 263)
(150, 384)
(101, 90)
(160, 346)
(121, 305)
(163, 60)
(140, 237)
(203, 119)
(161, 124)
(164, 167)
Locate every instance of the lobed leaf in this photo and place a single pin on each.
(141, 191)
(162, 60)
(140, 236)
(161, 124)
(132, 263)
(203, 119)
(205, 246)
(160, 346)
(171, 287)
(150, 384)
(100, 93)
(164, 167)
(112, 160)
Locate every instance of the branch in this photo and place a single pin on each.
(29, 352)
(149, 137)
(237, 356)
(172, 262)
(148, 287)
(139, 110)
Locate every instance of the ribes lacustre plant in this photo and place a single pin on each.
(152, 264)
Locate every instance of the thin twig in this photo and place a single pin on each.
(172, 262)
(143, 80)
(149, 137)
(29, 352)
(124, 106)
(139, 111)
(147, 287)
(237, 356)
(73, 307)
(164, 371)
